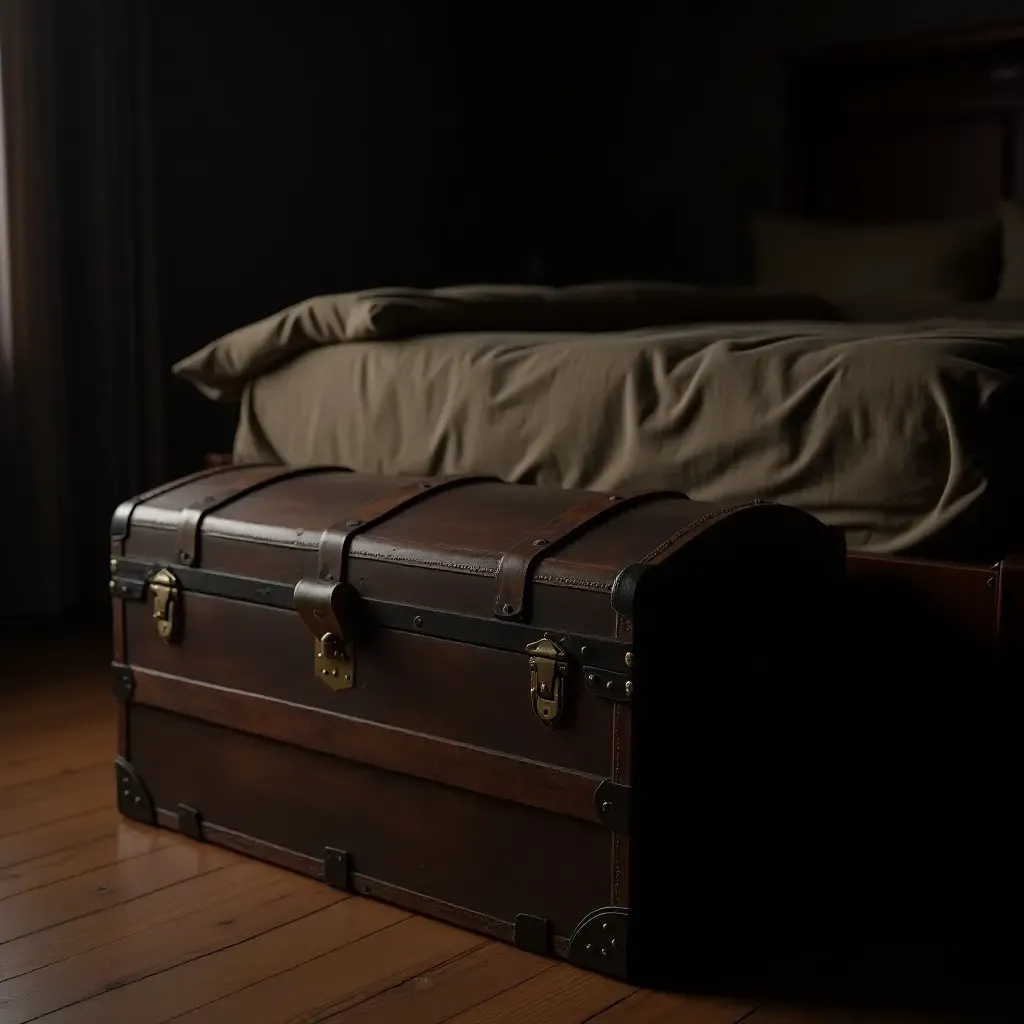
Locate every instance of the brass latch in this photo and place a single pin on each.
(328, 609)
(163, 585)
(333, 662)
(548, 669)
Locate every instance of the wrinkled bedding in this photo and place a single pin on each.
(904, 435)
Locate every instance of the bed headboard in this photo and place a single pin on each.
(928, 127)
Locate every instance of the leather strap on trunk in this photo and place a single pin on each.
(337, 539)
(192, 517)
(120, 524)
(516, 566)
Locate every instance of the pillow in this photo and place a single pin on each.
(944, 261)
(1011, 283)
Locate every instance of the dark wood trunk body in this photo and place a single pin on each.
(432, 783)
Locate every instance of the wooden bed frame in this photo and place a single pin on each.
(924, 128)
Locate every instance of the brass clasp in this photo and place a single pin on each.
(548, 669)
(328, 609)
(163, 585)
(333, 662)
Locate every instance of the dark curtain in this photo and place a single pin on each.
(81, 366)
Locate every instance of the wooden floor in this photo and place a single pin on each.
(105, 921)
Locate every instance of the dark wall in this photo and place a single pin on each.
(744, 53)
(701, 144)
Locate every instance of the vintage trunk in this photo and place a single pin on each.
(601, 727)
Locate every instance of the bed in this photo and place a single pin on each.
(891, 408)
(900, 435)
(891, 417)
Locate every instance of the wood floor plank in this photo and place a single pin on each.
(54, 904)
(433, 996)
(24, 743)
(41, 949)
(198, 982)
(80, 704)
(644, 1007)
(563, 995)
(54, 785)
(252, 901)
(86, 790)
(97, 746)
(126, 842)
(307, 991)
(58, 835)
